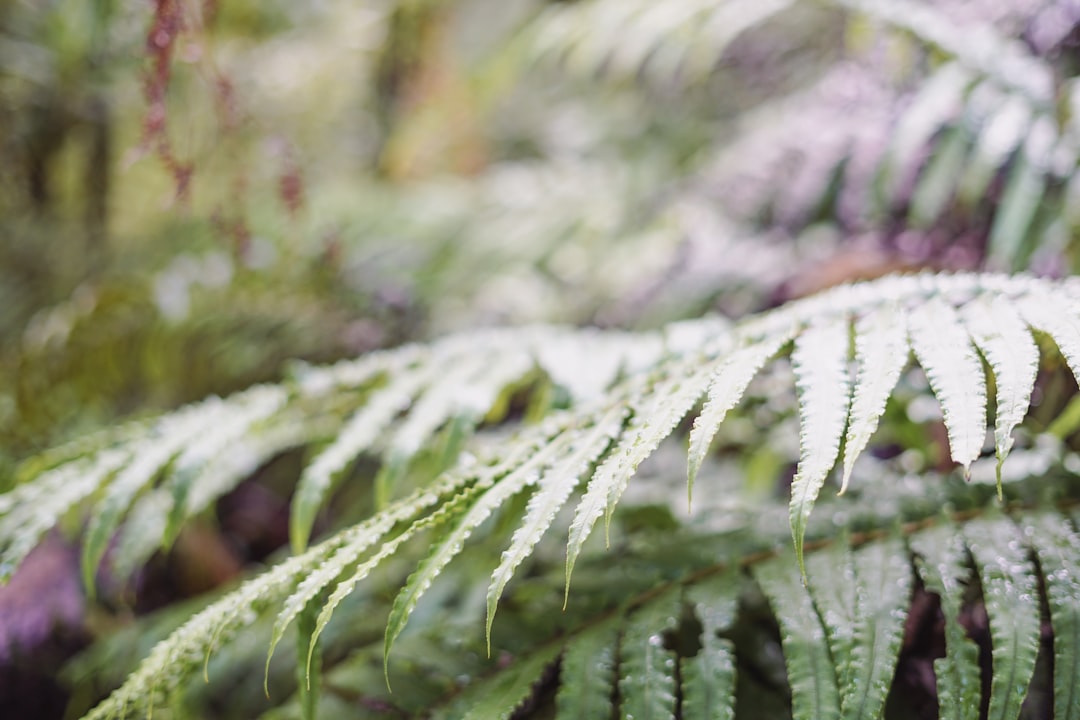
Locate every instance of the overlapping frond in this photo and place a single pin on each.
(842, 636)
(598, 443)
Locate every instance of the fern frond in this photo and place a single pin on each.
(633, 38)
(861, 598)
(587, 675)
(1057, 546)
(648, 687)
(615, 433)
(941, 563)
(955, 372)
(881, 353)
(1008, 347)
(1012, 606)
(811, 674)
(554, 487)
(708, 680)
(652, 420)
(821, 378)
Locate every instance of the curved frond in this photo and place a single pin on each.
(708, 679)
(941, 563)
(881, 353)
(1008, 346)
(955, 372)
(544, 462)
(811, 674)
(821, 377)
(587, 674)
(1057, 546)
(1012, 606)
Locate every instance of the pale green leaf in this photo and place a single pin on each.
(173, 660)
(956, 376)
(238, 420)
(148, 458)
(941, 562)
(307, 674)
(999, 136)
(726, 388)
(934, 104)
(938, 181)
(811, 673)
(37, 506)
(882, 594)
(553, 489)
(824, 388)
(587, 676)
(1060, 320)
(1011, 596)
(1022, 198)
(494, 487)
(647, 669)
(357, 434)
(881, 352)
(654, 417)
(832, 584)
(353, 542)
(497, 699)
(1058, 546)
(708, 678)
(1008, 346)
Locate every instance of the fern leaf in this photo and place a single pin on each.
(141, 534)
(940, 560)
(725, 389)
(37, 506)
(245, 456)
(708, 679)
(1023, 196)
(148, 459)
(654, 418)
(647, 668)
(1058, 547)
(587, 676)
(881, 352)
(882, 594)
(955, 373)
(499, 698)
(358, 433)
(821, 376)
(307, 690)
(933, 105)
(584, 365)
(471, 386)
(1008, 346)
(350, 544)
(977, 46)
(554, 488)
(833, 590)
(814, 694)
(629, 37)
(494, 487)
(1042, 313)
(239, 417)
(1000, 135)
(174, 659)
(861, 597)
(1011, 594)
(938, 182)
